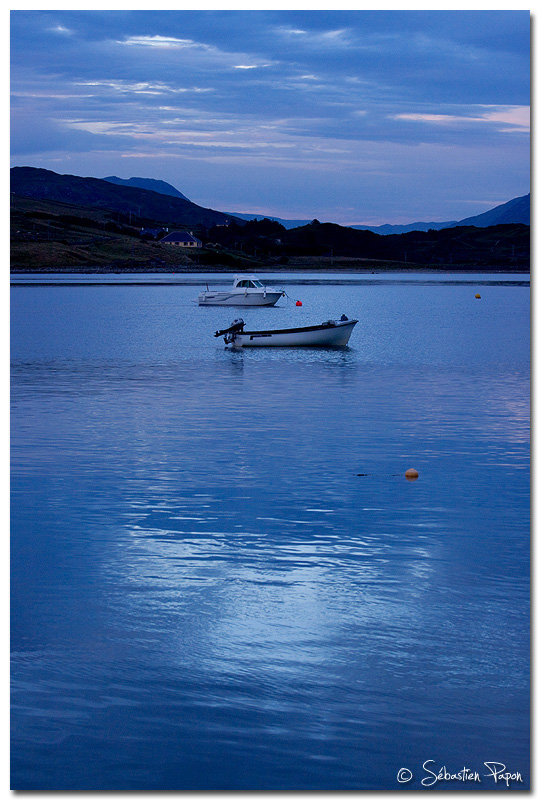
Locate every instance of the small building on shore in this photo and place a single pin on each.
(181, 239)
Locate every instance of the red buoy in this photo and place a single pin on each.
(298, 302)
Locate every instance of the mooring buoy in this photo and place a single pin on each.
(411, 474)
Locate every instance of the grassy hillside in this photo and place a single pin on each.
(498, 247)
(50, 235)
(60, 236)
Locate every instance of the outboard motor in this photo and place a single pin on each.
(236, 327)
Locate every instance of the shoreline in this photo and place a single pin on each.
(259, 270)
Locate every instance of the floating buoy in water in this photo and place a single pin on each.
(477, 296)
(298, 302)
(411, 474)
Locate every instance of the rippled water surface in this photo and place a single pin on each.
(221, 578)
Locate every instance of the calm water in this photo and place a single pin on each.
(221, 578)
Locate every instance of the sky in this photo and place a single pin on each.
(353, 117)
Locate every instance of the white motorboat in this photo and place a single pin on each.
(333, 333)
(247, 290)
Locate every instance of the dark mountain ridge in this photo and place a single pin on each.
(388, 230)
(142, 204)
(516, 211)
(287, 223)
(162, 187)
(62, 219)
(47, 185)
(460, 245)
(468, 246)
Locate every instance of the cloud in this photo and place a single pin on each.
(200, 53)
(517, 118)
(338, 37)
(158, 88)
(354, 96)
(514, 118)
(62, 30)
(159, 41)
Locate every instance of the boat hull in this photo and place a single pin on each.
(239, 298)
(325, 335)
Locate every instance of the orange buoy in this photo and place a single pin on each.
(298, 302)
(477, 296)
(411, 474)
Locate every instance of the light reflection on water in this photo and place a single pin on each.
(221, 578)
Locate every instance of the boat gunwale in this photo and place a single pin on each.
(321, 326)
(240, 292)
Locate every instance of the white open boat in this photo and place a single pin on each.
(247, 290)
(333, 333)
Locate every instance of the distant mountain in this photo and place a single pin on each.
(287, 223)
(144, 206)
(388, 230)
(49, 233)
(139, 204)
(148, 183)
(381, 229)
(516, 211)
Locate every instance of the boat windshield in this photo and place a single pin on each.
(248, 284)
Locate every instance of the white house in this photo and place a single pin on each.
(181, 239)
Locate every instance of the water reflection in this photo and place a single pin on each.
(324, 356)
(221, 578)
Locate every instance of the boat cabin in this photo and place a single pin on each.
(247, 282)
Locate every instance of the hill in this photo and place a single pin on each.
(147, 183)
(104, 232)
(388, 230)
(496, 247)
(141, 204)
(287, 223)
(516, 211)
(465, 246)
